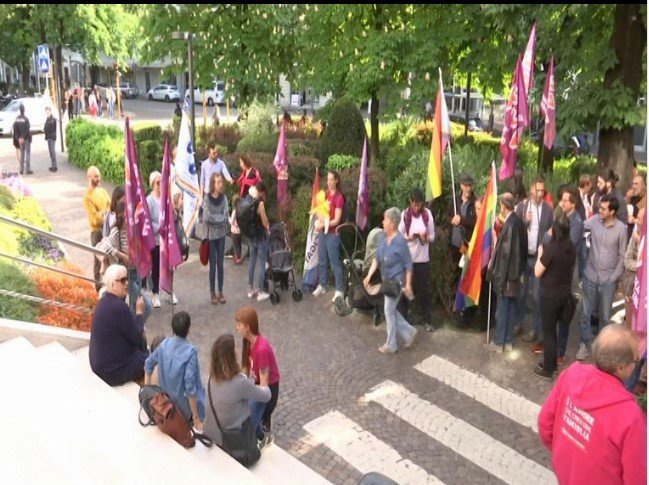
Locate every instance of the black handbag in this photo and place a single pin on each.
(241, 444)
(391, 288)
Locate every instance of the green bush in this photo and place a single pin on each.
(258, 142)
(13, 279)
(227, 136)
(261, 118)
(340, 162)
(303, 147)
(378, 187)
(345, 130)
(7, 199)
(146, 131)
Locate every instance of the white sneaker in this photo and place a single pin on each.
(320, 290)
(262, 295)
(252, 293)
(155, 300)
(337, 294)
(582, 353)
(173, 300)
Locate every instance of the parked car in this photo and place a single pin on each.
(166, 92)
(213, 95)
(34, 110)
(129, 90)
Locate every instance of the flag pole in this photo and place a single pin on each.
(489, 313)
(450, 156)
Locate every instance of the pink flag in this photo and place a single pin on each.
(528, 66)
(515, 114)
(281, 165)
(170, 256)
(363, 200)
(141, 239)
(549, 108)
(639, 295)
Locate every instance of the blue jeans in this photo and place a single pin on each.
(397, 325)
(111, 108)
(594, 292)
(217, 252)
(329, 252)
(257, 409)
(134, 292)
(532, 282)
(505, 320)
(258, 248)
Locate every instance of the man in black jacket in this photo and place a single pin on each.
(23, 140)
(50, 136)
(505, 272)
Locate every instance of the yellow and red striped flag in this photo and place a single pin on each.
(441, 138)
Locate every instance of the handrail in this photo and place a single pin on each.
(52, 235)
(45, 266)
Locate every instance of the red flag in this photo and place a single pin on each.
(139, 230)
(515, 114)
(528, 66)
(549, 108)
(281, 165)
(363, 198)
(170, 256)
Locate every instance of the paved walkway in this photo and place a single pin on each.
(443, 411)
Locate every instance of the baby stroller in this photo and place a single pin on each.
(280, 264)
(354, 271)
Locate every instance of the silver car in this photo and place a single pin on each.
(129, 90)
(166, 92)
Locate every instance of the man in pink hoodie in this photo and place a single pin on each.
(595, 430)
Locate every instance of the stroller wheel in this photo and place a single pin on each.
(340, 307)
(274, 298)
(297, 295)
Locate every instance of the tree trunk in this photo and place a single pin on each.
(468, 101)
(628, 40)
(374, 125)
(24, 75)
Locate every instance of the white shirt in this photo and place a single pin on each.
(418, 250)
(533, 228)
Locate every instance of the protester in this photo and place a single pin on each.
(538, 217)
(394, 260)
(230, 392)
(463, 218)
(631, 265)
(50, 136)
(93, 106)
(604, 267)
(249, 175)
(215, 216)
(606, 181)
(259, 362)
(591, 424)
(637, 198)
(117, 343)
(96, 202)
(109, 221)
(587, 195)
(22, 140)
(507, 265)
(212, 164)
(178, 111)
(153, 201)
(554, 268)
(259, 243)
(110, 100)
(178, 371)
(329, 240)
(418, 228)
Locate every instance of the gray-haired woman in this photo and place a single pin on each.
(393, 258)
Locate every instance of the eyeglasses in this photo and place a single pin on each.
(123, 280)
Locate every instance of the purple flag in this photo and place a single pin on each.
(170, 256)
(528, 68)
(281, 165)
(515, 114)
(141, 239)
(549, 108)
(363, 200)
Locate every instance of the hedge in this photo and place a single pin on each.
(345, 130)
(13, 279)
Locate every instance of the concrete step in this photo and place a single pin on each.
(277, 466)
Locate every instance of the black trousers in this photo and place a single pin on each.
(552, 309)
(421, 289)
(155, 271)
(236, 245)
(270, 407)
(95, 237)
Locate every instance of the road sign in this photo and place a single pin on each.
(44, 58)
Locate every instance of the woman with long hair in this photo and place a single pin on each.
(229, 391)
(216, 216)
(249, 175)
(153, 201)
(329, 240)
(554, 268)
(259, 362)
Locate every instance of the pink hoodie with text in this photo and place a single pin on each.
(594, 428)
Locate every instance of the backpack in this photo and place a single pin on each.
(183, 242)
(162, 412)
(247, 217)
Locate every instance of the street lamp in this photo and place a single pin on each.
(189, 37)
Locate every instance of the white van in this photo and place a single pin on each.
(34, 111)
(213, 95)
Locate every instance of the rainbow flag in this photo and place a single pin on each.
(480, 247)
(441, 138)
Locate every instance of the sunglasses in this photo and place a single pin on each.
(123, 280)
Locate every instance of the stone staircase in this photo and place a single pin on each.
(62, 424)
